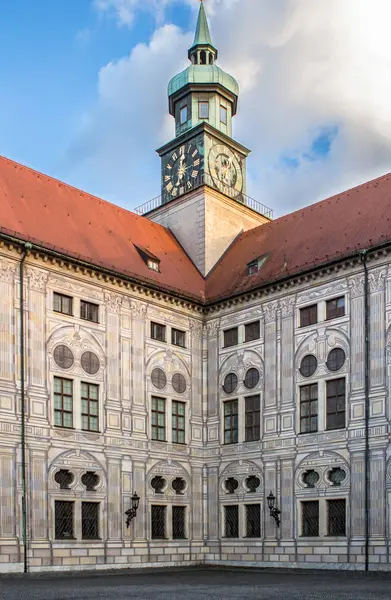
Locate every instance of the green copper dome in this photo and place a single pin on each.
(203, 74)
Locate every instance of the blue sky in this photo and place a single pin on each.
(83, 91)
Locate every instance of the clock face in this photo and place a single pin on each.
(182, 170)
(225, 170)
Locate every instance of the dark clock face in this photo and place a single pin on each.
(182, 170)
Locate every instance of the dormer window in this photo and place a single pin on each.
(255, 265)
(183, 115)
(153, 265)
(152, 261)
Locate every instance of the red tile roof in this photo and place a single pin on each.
(58, 216)
(37, 208)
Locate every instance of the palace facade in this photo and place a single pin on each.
(198, 353)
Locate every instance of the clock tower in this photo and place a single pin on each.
(203, 197)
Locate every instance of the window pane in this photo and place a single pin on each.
(158, 522)
(63, 519)
(253, 520)
(90, 520)
(203, 110)
(183, 115)
(223, 115)
(231, 514)
(336, 521)
(68, 420)
(58, 418)
(310, 519)
(178, 522)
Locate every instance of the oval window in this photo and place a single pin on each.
(230, 383)
(63, 357)
(336, 359)
(308, 366)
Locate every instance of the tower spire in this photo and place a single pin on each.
(202, 40)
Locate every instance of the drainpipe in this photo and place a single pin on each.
(364, 256)
(23, 407)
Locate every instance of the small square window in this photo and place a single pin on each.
(153, 265)
(230, 337)
(62, 304)
(158, 332)
(252, 331)
(309, 315)
(178, 338)
(183, 115)
(203, 110)
(223, 115)
(335, 308)
(89, 311)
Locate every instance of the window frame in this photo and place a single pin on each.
(309, 402)
(181, 112)
(158, 412)
(203, 103)
(182, 509)
(330, 502)
(89, 401)
(72, 518)
(163, 330)
(96, 516)
(174, 333)
(60, 310)
(328, 396)
(236, 528)
(329, 311)
(312, 310)
(63, 395)
(164, 511)
(259, 520)
(176, 430)
(305, 531)
(247, 326)
(223, 111)
(255, 418)
(87, 306)
(231, 416)
(227, 342)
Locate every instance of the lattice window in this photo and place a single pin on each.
(251, 379)
(90, 520)
(336, 404)
(63, 402)
(89, 407)
(336, 359)
(178, 422)
(159, 379)
(158, 522)
(310, 518)
(231, 521)
(337, 476)
(89, 311)
(311, 478)
(179, 522)
(253, 418)
(159, 419)
(90, 363)
(309, 408)
(336, 517)
(231, 422)
(253, 520)
(63, 520)
(179, 383)
(63, 357)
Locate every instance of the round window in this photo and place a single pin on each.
(230, 383)
(308, 366)
(90, 363)
(336, 359)
(179, 383)
(159, 378)
(63, 357)
(311, 478)
(251, 379)
(337, 476)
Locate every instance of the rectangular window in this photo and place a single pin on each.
(336, 517)
(89, 407)
(159, 419)
(158, 332)
(158, 522)
(178, 338)
(336, 404)
(310, 518)
(203, 110)
(253, 520)
(90, 520)
(253, 418)
(309, 408)
(335, 308)
(178, 422)
(309, 315)
(63, 402)
(252, 331)
(230, 337)
(223, 115)
(89, 311)
(231, 521)
(179, 522)
(62, 304)
(183, 115)
(63, 520)
(231, 422)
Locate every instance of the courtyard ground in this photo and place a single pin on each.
(199, 584)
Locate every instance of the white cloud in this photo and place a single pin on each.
(305, 67)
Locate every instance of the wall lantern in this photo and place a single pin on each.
(132, 512)
(274, 512)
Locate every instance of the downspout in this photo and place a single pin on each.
(23, 407)
(364, 255)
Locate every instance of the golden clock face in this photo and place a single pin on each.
(182, 170)
(225, 170)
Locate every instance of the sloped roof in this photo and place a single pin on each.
(57, 216)
(354, 220)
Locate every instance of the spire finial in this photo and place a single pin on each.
(202, 36)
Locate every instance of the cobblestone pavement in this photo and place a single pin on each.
(200, 584)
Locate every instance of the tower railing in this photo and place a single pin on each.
(206, 179)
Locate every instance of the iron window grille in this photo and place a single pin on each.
(89, 311)
(89, 406)
(203, 110)
(231, 337)
(252, 331)
(336, 359)
(63, 357)
(308, 365)
(90, 363)
(230, 383)
(251, 379)
(310, 518)
(179, 383)
(179, 522)
(158, 419)
(253, 418)
(158, 522)
(63, 402)
(158, 332)
(335, 308)
(159, 379)
(231, 422)
(253, 520)
(178, 422)
(336, 517)
(308, 315)
(336, 404)
(309, 408)
(231, 521)
(63, 304)
(178, 338)
(63, 520)
(90, 520)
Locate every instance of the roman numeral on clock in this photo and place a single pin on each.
(169, 187)
(197, 162)
(167, 178)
